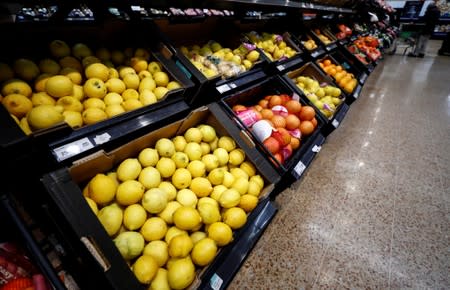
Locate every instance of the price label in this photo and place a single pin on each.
(135, 8)
(100, 139)
(316, 149)
(223, 88)
(356, 95)
(335, 123)
(72, 149)
(280, 67)
(299, 168)
(216, 282)
(232, 85)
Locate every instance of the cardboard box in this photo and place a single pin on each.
(64, 188)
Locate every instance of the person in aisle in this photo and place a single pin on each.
(430, 19)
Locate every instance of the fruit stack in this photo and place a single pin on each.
(345, 80)
(322, 36)
(323, 96)
(273, 45)
(309, 44)
(344, 31)
(79, 87)
(214, 60)
(171, 208)
(279, 122)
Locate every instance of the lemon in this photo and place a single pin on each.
(193, 150)
(150, 177)
(258, 179)
(254, 188)
(129, 192)
(193, 135)
(217, 191)
(216, 176)
(25, 127)
(206, 149)
(131, 81)
(201, 186)
(145, 268)
(42, 98)
(180, 246)
(167, 213)
(208, 133)
(97, 70)
(129, 169)
(92, 205)
(248, 202)
(132, 104)
(166, 167)
(111, 217)
(181, 178)
(173, 85)
(130, 244)
(26, 69)
(148, 157)
(78, 92)
(44, 116)
(115, 85)
(211, 162)
(181, 273)
(134, 216)
(144, 74)
(186, 218)
(16, 86)
(114, 110)
(129, 94)
(187, 197)
(236, 157)
(207, 200)
(204, 252)
(113, 99)
(222, 156)
(147, 83)
(161, 78)
(70, 103)
(237, 172)
(226, 143)
(165, 147)
(153, 229)
(158, 250)
(229, 198)
(160, 281)
(209, 213)
(197, 236)
(102, 189)
(181, 159)
(248, 167)
(179, 143)
(74, 119)
(235, 217)
(228, 179)
(17, 104)
(173, 232)
(147, 97)
(241, 185)
(154, 200)
(154, 67)
(196, 168)
(113, 176)
(94, 103)
(94, 88)
(221, 233)
(169, 188)
(124, 70)
(93, 115)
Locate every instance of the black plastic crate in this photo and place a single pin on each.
(251, 96)
(301, 40)
(317, 31)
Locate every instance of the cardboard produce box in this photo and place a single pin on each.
(65, 188)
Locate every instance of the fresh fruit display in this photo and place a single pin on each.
(279, 122)
(309, 44)
(81, 87)
(214, 60)
(368, 45)
(273, 45)
(323, 96)
(345, 80)
(325, 39)
(352, 48)
(170, 209)
(344, 31)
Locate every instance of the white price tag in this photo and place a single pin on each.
(356, 95)
(335, 123)
(280, 67)
(216, 282)
(295, 97)
(135, 8)
(100, 139)
(299, 168)
(223, 88)
(316, 149)
(232, 85)
(73, 149)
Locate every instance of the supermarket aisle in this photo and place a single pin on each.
(373, 210)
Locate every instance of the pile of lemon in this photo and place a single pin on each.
(171, 208)
(80, 87)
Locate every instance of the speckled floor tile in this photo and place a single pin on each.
(373, 209)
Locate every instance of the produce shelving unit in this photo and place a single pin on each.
(53, 153)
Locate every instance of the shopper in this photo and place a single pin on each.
(430, 19)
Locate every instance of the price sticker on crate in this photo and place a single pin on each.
(280, 67)
(335, 123)
(72, 149)
(223, 88)
(299, 169)
(216, 282)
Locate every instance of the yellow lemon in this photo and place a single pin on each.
(248, 202)
(160, 92)
(166, 167)
(196, 168)
(130, 94)
(161, 78)
(193, 150)
(236, 157)
(209, 213)
(44, 116)
(129, 169)
(165, 147)
(74, 119)
(180, 246)
(92, 205)
(129, 192)
(115, 85)
(193, 135)
(154, 200)
(148, 157)
(147, 83)
(145, 268)
(217, 191)
(161, 280)
(167, 213)
(158, 250)
(59, 86)
(132, 104)
(150, 177)
(229, 198)
(187, 197)
(181, 178)
(197, 236)
(173, 232)
(201, 186)
(18, 105)
(16, 86)
(169, 188)
(154, 229)
(181, 273)
(131, 81)
(114, 110)
(221, 233)
(235, 217)
(94, 103)
(204, 252)
(94, 88)
(134, 216)
(111, 217)
(97, 70)
(226, 143)
(147, 97)
(130, 244)
(186, 218)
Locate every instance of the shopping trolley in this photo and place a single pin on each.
(408, 37)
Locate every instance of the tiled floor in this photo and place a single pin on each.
(373, 210)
